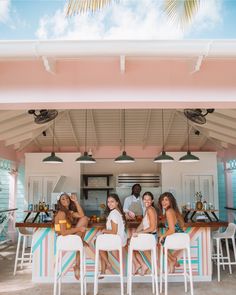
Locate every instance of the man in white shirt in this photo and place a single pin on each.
(133, 205)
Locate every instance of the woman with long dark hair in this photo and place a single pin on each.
(174, 222)
(69, 220)
(147, 226)
(115, 225)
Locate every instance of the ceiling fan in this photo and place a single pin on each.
(197, 115)
(43, 116)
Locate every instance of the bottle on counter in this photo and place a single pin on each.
(40, 206)
(205, 205)
(44, 206)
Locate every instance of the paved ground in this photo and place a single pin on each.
(21, 284)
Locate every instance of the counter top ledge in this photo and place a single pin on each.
(214, 224)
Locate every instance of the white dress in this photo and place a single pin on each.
(116, 217)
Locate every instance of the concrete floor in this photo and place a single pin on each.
(21, 284)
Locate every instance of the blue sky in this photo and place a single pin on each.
(128, 19)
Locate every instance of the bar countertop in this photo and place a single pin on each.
(130, 224)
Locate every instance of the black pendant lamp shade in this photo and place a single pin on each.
(189, 157)
(163, 157)
(53, 159)
(85, 158)
(124, 158)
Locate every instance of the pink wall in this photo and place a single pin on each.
(98, 83)
(7, 153)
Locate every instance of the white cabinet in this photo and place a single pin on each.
(40, 188)
(198, 183)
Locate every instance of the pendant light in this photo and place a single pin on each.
(188, 158)
(124, 158)
(163, 157)
(85, 159)
(53, 159)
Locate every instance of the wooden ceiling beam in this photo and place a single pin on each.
(91, 113)
(7, 115)
(18, 121)
(73, 130)
(147, 128)
(169, 126)
(219, 129)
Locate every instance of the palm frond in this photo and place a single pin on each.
(82, 6)
(181, 11)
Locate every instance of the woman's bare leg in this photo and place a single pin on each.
(173, 261)
(141, 262)
(82, 223)
(77, 265)
(104, 261)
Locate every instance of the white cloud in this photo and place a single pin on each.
(128, 19)
(208, 16)
(4, 11)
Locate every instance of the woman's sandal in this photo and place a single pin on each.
(136, 270)
(76, 271)
(144, 270)
(177, 264)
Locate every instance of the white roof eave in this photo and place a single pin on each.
(74, 49)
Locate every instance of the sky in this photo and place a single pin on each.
(121, 20)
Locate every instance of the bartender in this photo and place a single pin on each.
(133, 205)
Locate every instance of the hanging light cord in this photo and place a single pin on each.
(124, 129)
(188, 133)
(163, 136)
(53, 132)
(85, 131)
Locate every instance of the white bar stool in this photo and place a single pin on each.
(176, 241)
(26, 258)
(107, 242)
(143, 242)
(69, 243)
(228, 234)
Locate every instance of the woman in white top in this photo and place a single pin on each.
(148, 225)
(115, 225)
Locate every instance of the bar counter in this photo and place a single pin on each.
(44, 250)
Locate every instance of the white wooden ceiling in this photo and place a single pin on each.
(143, 128)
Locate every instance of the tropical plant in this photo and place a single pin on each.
(179, 11)
(81, 6)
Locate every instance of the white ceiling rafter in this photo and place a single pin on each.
(222, 120)
(35, 135)
(49, 64)
(73, 130)
(185, 143)
(201, 129)
(228, 113)
(15, 122)
(169, 127)
(147, 128)
(91, 113)
(222, 137)
(218, 143)
(7, 115)
(50, 129)
(219, 129)
(18, 131)
(20, 138)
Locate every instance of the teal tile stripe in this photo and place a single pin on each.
(89, 233)
(39, 241)
(71, 257)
